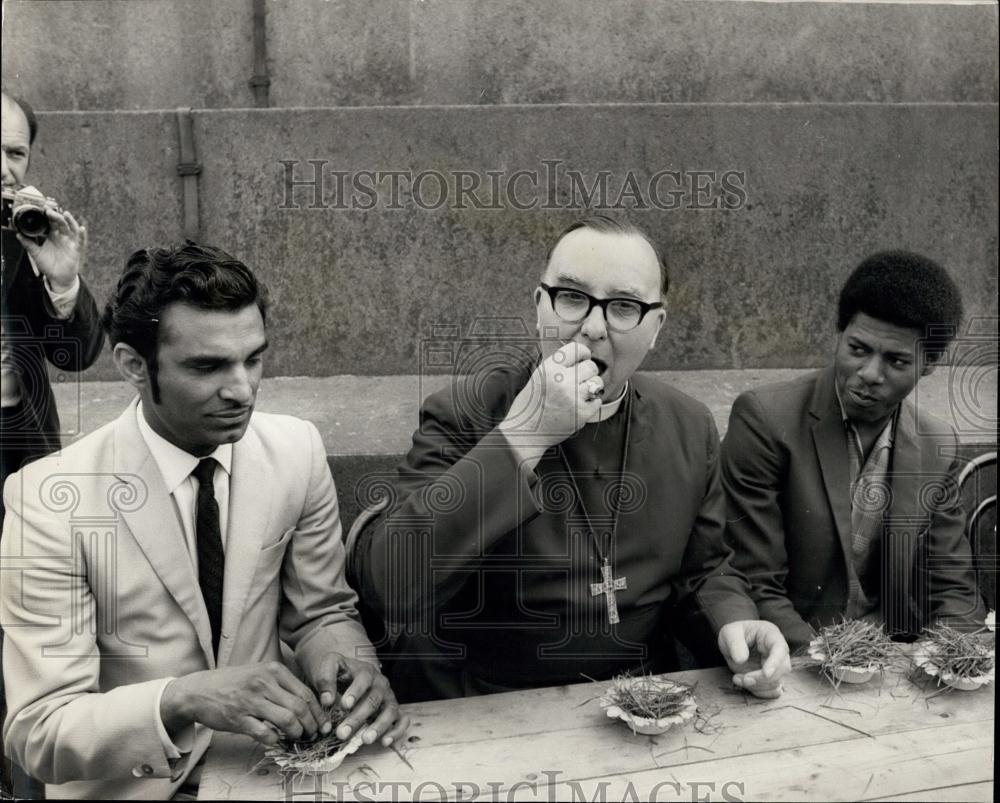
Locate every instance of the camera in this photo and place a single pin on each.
(27, 213)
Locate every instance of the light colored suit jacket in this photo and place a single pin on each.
(100, 600)
(787, 480)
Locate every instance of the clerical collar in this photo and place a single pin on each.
(608, 409)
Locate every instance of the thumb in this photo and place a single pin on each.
(733, 645)
(28, 245)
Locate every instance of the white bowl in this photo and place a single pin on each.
(924, 658)
(842, 673)
(648, 725)
(853, 674)
(327, 764)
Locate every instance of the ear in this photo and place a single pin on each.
(661, 317)
(131, 365)
(538, 300)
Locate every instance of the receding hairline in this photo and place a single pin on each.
(10, 104)
(626, 233)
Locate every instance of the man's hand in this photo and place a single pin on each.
(367, 696)
(60, 258)
(562, 394)
(757, 655)
(263, 701)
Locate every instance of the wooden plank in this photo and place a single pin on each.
(551, 710)
(603, 747)
(894, 764)
(525, 737)
(963, 793)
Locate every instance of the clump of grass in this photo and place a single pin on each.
(650, 697)
(954, 655)
(852, 644)
(322, 752)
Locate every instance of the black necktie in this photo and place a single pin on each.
(211, 559)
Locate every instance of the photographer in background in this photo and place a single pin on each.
(47, 310)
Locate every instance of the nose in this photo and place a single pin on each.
(870, 371)
(594, 326)
(239, 388)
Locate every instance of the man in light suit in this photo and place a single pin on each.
(841, 491)
(151, 570)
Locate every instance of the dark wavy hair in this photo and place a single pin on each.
(908, 290)
(200, 275)
(607, 224)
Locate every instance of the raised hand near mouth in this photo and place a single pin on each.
(562, 394)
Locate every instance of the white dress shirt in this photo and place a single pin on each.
(175, 467)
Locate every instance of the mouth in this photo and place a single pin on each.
(602, 366)
(861, 398)
(233, 415)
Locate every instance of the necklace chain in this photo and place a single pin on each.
(621, 480)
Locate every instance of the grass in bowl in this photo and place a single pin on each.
(852, 651)
(955, 658)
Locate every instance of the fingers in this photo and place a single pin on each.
(294, 697)
(778, 661)
(59, 224)
(314, 717)
(30, 246)
(75, 230)
(733, 645)
(592, 388)
(258, 730)
(387, 716)
(758, 685)
(365, 695)
(325, 681)
(571, 354)
(397, 732)
(280, 716)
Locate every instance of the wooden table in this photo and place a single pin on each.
(884, 740)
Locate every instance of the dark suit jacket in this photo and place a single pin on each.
(36, 336)
(461, 483)
(786, 476)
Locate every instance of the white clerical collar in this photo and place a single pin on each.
(174, 463)
(608, 409)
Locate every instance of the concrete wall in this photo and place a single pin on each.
(153, 54)
(356, 291)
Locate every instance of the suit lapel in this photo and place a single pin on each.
(906, 468)
(907, 519)
(155, 527)
(249, 512)
(831, 449)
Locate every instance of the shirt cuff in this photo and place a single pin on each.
(184, 739)
(64, 302)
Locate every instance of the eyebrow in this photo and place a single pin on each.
(214, 359)
(618, 292)
(907, 355)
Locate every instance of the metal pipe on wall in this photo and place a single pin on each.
(188, 168)
(260, 81)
